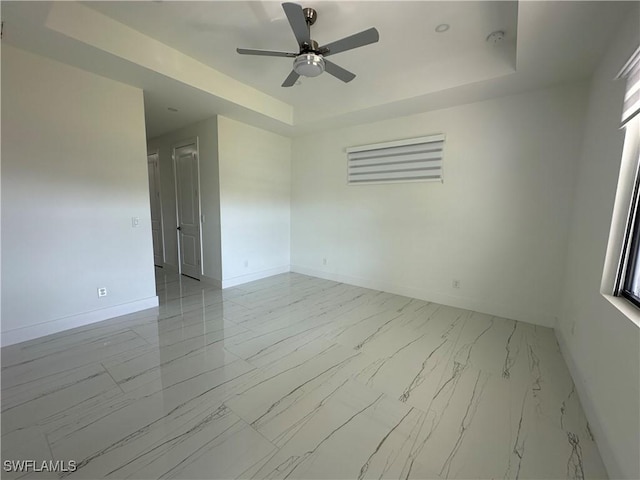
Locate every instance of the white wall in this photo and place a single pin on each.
(74, 174)
(255, 199)
(498, 223)
(207, 133)
(601, 345)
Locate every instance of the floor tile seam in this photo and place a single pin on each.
(276, 324)
(291, 297)
(190, 306)
(191, 297)
(118, 354)
(84, 365)
(253, 330)
(388, 396)
(237, 304)
(236, 357)
(268, 365)
(188, 415)
(114, 322)
(157, 390)
(151, 347)
(226, 319)
(66, 371)
(168, 345)
(258, 371)
(260, 334)
(270, 319)
(46, 439)
(192, 338)
(74, 344)
(145, 340)
(248, 424)
(170, 317)
(262, 461)
(168, 434)
(157, 368)
(57, 336)
(524, 383)
(111, 376)
(45, 424)
(182, 317)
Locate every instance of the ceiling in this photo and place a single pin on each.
(401, 65)
(186, 55)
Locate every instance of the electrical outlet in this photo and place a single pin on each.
(102, 291)
(455, 284)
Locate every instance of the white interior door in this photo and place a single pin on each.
(187, 179)
(156, 209)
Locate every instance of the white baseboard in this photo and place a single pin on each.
(545, 320)
(239, 280)
(23, 334)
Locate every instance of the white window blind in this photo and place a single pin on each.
(411, 160)
(631, 72)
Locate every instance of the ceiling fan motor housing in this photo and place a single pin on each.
(308, 65)
(309, 61)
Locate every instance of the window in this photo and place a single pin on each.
(410, 160)
(628, 279)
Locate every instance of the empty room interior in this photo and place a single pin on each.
(320, 240)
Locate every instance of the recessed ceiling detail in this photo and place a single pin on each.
(183, 53)
(408, 61)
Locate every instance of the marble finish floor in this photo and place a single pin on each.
(296, 377)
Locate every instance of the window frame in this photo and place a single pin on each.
(630, 258)
(630, 263)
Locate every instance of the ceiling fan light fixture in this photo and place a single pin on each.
(310, 62)
(308, 65)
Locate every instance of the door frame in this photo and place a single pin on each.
(156, 152)
(174, 146)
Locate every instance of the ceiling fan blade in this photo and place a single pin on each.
(298, 22)
(266, 53)
(353, 41)
(291, 79)
(338, 72)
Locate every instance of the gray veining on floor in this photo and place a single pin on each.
(296, 377)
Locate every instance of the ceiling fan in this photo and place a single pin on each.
(311, 60)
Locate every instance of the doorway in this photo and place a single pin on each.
(187, 175)
(156, 209)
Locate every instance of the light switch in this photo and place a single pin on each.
(135, 222)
